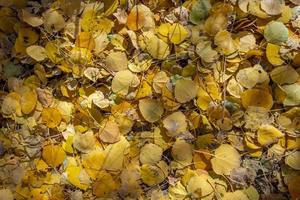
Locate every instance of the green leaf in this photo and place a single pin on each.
(11, 70)
(200, 11)
(292, 94)
(276, 32)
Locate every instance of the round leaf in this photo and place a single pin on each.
(226, 159)
(151, 109)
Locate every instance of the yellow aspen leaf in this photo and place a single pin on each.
(257, 98)
(150, 153)
(157, 48)
(159, 80)
(182, 152)
(215, 23)
(93, 162)
(293, 160)
(53, 51)
(51, 117)
(84, 142)
(226, 159)
(234, 88)
(77, 176)
(115, 155)
(53, 155)
(202, 160)
(272, 53)
(28, 99)
(182, 94)
(169, 100)
(110, 132)
(116, 61)
(12, 104)
(154, 174)
(53, 21)
(139, 17)
(6, 194)
(27, 36)
(81, 56)
(285, 74)
(144, 90)
(225, 43)
(163, 31)
(272, 7)
(201, 186)
(31, 19)
(175, 124)
(85, 40)
(67, 146)
(177, 33)
(147, 110)
(123, 81)
(104, 185)
(268, 134)
(238, 195)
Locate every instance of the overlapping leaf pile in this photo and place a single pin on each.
(153, 99)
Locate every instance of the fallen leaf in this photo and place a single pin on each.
(226, 159)
(146, 108)
(53, 155)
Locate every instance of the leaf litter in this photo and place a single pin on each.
(123, 99)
